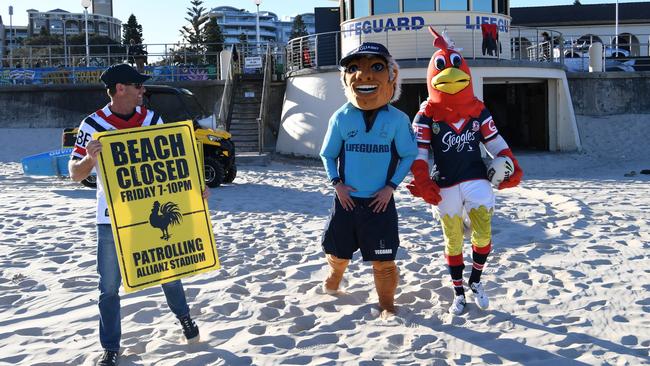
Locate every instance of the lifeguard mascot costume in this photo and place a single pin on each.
(367, 151)
(452, 123)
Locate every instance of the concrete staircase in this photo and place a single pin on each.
(244, 112)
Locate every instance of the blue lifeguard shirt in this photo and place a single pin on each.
(369, 156)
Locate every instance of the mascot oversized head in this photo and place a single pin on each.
(370, 76)
(449, 82)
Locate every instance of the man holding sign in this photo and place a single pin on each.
(125, 88)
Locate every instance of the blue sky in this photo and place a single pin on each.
(161, 23)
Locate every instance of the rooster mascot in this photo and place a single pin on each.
(452, 123)
(367, 151)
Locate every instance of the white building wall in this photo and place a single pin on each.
(309, 102)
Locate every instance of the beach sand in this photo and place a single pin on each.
(568, 279)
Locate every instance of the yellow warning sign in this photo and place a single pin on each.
(153, 180)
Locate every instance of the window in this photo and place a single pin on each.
(346, 7)
(56, 26)
(482, 5)
(502, 6)
(385, 6)
(361, 8)
(419, 5)
(453, 4)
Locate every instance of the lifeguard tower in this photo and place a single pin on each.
(524, 87)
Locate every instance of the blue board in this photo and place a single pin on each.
(48, 163)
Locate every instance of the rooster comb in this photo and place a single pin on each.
(443, 41)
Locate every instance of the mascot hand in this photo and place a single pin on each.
(415, 191)
(516, 176)
(423, 185)
(429, 110)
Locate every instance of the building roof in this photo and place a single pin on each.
(591, 14)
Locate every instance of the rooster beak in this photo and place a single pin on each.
(450, 81)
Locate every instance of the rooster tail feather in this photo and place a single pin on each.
(171, 211)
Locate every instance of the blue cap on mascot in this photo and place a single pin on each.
(366, 48)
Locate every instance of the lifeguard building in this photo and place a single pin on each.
(524, 88)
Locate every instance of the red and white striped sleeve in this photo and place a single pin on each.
(423, 134)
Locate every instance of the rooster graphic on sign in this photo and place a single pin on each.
(163, 216)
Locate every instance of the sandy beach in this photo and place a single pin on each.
(568, 279)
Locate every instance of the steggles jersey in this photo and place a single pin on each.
(105, 120)
(455, 146)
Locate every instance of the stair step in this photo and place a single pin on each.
(239, 133)
(243, 125)
(243, 139)
(243, 131)
(244, 116)
(243, 145)
(246, 108)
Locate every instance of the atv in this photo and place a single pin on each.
(177, 104)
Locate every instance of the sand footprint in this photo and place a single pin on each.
(303, 323)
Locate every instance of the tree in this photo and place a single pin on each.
(243, 43)
(213, 40)
(132, 40)
(576, 2)
(132, 30)
(298, 29)
(193, 34)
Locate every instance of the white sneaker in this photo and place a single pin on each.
(458, 305)
(480, 298)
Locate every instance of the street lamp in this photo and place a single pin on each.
(65, 44)
(11, 38)
(257, 3)
(616, 28)
(86, 4)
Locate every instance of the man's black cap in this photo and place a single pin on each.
(123, 74)
(366, 48)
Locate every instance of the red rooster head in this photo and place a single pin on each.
(448, 77)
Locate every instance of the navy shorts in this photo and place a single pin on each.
(374, 233)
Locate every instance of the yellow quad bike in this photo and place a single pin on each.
(176, 104)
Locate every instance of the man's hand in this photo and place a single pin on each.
(382, 197)
(343, 193)
(93, 149)
(205, 194)
(81, 169)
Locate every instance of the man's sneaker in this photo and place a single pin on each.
(458, 305)
(480, 298)
(190, 329)
(109, 358)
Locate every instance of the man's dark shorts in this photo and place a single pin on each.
(374, 233)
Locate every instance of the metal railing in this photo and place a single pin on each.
(52, 64)
(323, 49)
(34, 56)
(224, 105)
(266, 88)
(626, 52)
